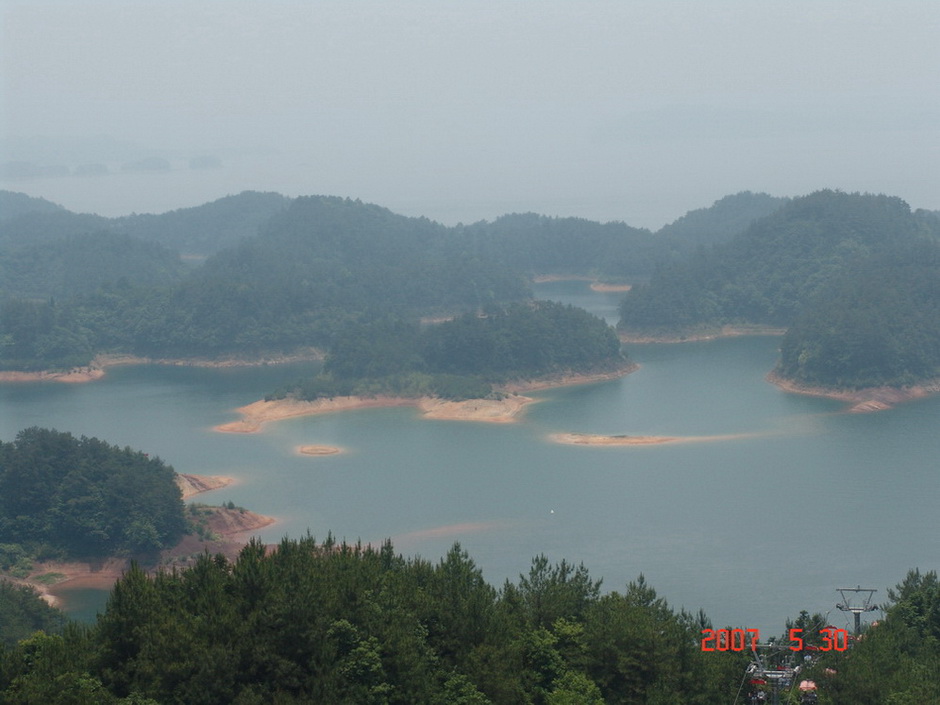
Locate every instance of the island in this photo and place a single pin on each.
(849, 280)
(474, 367)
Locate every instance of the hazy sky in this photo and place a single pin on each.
(634, 110)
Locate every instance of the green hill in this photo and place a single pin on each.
(878, 324)
(720, 222)
(767, 274)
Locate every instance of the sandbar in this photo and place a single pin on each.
(257, 414)
(594, 439)
(318, 450)
(864, 400)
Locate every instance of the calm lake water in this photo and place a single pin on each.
(805, 498)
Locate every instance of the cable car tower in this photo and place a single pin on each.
(847, 604)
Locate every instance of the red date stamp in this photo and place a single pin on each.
(830, 638)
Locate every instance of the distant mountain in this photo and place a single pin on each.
(13, 205)
(538, 244)
(201, 230)
(317, 266)
(855, 277)
(721, 221)
(206, 229)
(876, 325)
(767, 273)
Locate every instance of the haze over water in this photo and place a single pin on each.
(752, 529)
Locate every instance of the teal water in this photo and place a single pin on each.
(752, 529)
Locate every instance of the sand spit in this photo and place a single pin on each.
(593, 439)
(861, 400)
(318, 450)
(257, 414)
(507, 409)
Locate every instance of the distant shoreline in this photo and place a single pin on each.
(715, 334)
(507, 409)
(596, 284)
(865, 400)
(98, 366)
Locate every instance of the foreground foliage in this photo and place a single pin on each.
(335, 623)
(321, 622)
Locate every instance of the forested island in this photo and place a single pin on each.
(468, 357)
(852, 278)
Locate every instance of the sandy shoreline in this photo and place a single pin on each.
(257, 414)
(507, 409)
(861, 400)
(99, 365)
(229, 526)
(593, 439)
(76, 375)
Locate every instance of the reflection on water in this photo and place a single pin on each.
(752, 529)
(82, 604)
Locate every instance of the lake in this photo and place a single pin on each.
(799, 499)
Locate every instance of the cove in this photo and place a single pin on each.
(797, 499)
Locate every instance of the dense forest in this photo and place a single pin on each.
(81, 497)
(273, 275)
(463, 357)
(877, 325)
(337, 623)
(334, 623)
(284, 273)
(854, 274)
